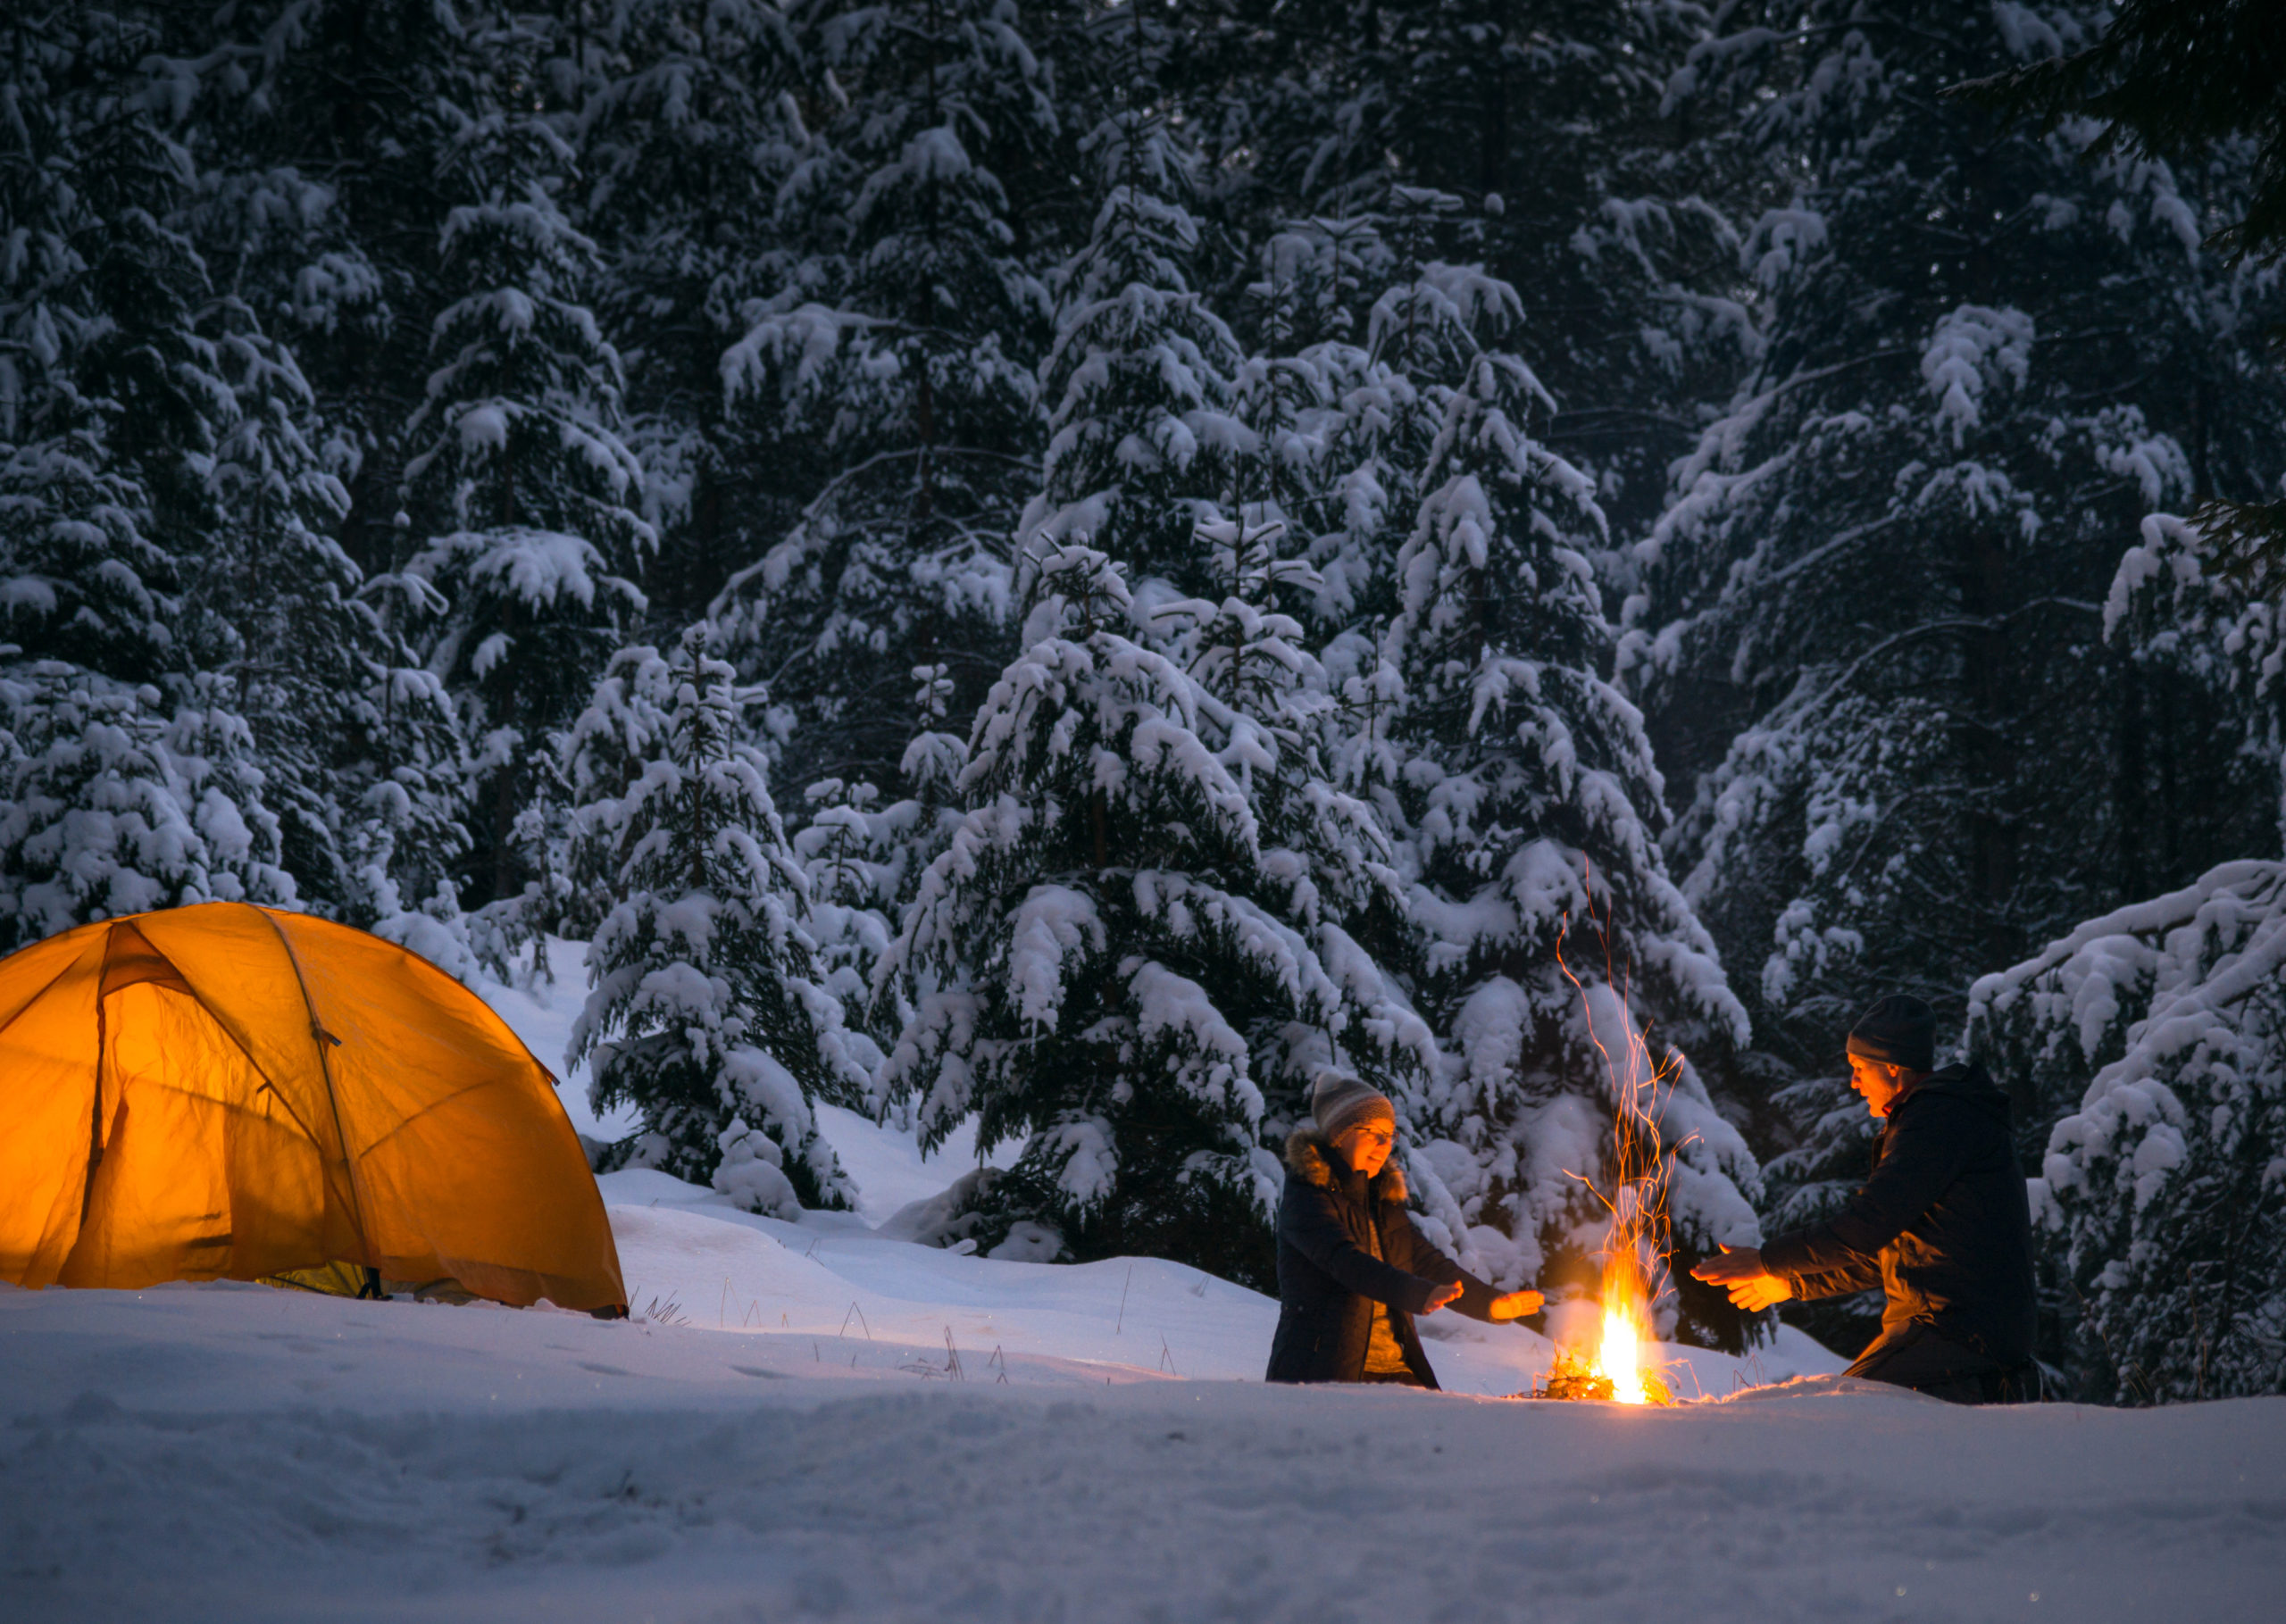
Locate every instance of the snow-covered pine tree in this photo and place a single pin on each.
(1420, 339)
(275, 603)
(2158, 1200)
(706, 1009)
(1142, 440)
(317, 233)
(523, 487)
(1281, 391)
(600, 754)
(95, 303)
(2154, 1037)
(1326, 414)
(1880, 574)
(841, 847)
(1264, 705)
(113, 802)
(920, 825)
(913, 372)
(1391, 400)
(1601, 205)
(866, 861)
(1545, 126)
(1345, 426)
(904, 839)
(1110, 957)
(1529, 805)
(710, 184)
(320, 130)
(129, 781)
(404, 791)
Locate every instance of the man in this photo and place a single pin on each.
(1352, 1269)
(1942, 1225)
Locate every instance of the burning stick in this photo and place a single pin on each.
(1623, 1369)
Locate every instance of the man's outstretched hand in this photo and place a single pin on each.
(1439, 1295)
(1739, 1270)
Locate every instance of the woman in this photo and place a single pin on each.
(1352, 1270)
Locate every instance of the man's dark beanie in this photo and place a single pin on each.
(1899, 1030)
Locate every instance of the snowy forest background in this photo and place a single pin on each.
(1077, 563)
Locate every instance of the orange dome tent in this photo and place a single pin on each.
(231, 1092)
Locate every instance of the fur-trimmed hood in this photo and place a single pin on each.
(1309, 1153)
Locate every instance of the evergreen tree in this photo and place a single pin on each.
(1266, 706)
(903, 839)
(1550, 934)
(402, 789)
(848, 866)
(109, 805)
(706, 1009)
(131, 781)
(2154, 1039)
(1343, 410)
(2178, 80)
(321, 677)
(708, 192)
(526, 490)
(1112, 959)
(2157, 1201)
(915, 374)
(321, 238)
(111, 400)
(1142, 443)
(600, 755)
(1574, 180)
(919, 827)
(319, 129)
(1879, 576)
(1421, 337)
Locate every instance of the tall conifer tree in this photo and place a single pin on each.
(1881, 573)
(1115, 960)
(524, 488)
(1551, 936)
(706, 1009)
(1143, 444)
(912, 369)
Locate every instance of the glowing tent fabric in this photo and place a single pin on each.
(227, 1091)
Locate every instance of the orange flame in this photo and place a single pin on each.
(1626, 1357)
(1635, 1242)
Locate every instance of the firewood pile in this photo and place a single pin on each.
(1573, 1375)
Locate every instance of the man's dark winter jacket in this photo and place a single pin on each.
(1942, 1225)
(1328, 1280)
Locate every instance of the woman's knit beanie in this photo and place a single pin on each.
(1339, 1101)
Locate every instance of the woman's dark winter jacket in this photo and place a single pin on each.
(1328, 1280)
(1942, 1225)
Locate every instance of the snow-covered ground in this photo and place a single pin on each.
(823, 1420)
(234, 1454)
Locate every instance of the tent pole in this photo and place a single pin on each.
(95, 1105)
(319, 1038)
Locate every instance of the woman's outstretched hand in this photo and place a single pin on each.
(1516, 1305)
(1439, 1295)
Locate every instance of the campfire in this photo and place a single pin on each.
(1622, 1365)
(1621, 1369)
